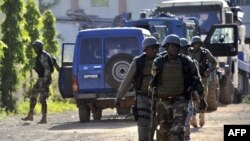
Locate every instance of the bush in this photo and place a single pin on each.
(246, 99)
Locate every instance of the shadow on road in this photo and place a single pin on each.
(98, 124)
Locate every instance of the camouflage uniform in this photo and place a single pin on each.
(202, 56)
(139, 75)
(43, 67)
(175, 77)
(173, 100)
(42, 84)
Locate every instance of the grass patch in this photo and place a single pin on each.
(53, 107)
(246, 99)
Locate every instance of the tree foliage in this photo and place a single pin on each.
(2, 46)
(14, 54)
(32, 16)
(51, 43)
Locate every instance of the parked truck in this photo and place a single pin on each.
(231, 79)
(187, 18)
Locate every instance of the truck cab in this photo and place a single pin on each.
(94, 66)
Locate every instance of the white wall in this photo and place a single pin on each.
(246, 19)
(111, 11)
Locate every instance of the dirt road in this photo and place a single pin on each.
(65, 126)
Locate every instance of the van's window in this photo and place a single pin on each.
(116, 45)
(91, 51)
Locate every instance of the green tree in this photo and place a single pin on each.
(51, 43)
(2, 46)
(32, 16)
(13, 37)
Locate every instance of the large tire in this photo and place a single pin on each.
(97, 114)
(226, 91)
(213, 95)
(84, 114)
(116, 69)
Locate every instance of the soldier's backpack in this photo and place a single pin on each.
(51, 62)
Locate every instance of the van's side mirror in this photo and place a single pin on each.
(222, 40)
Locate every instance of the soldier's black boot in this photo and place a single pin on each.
(43, 120)
(28, 117)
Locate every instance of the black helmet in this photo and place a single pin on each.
(38, 44)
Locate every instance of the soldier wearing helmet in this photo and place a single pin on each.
(44, 68)
(184, 45)
(206, 64)
(139, 75)
(175, 76)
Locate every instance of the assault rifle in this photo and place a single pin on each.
(153, 116)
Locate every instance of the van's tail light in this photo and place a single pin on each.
(74, 84)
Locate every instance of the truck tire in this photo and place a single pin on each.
(84, 114)
(123, 111)
(226, 91)
(97, 114)
(213, 95)
(117, 68)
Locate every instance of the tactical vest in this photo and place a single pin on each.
(38, 65)
(142, 75)
(171, 83)
(203, 62)
(186, 71)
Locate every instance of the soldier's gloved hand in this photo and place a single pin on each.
(117, 103)
(203, 105)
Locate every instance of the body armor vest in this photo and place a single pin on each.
(38, 64)
(201, 58)
(172, 79)
(146, 75)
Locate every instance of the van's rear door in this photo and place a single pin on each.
(65, 74)
(90, 66)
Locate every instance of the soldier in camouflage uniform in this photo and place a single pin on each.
(43, 67)
(207, 64)
(184, 50)
(175, 77)
(139, 75)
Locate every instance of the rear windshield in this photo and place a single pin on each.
(125, 44)
(92, 51)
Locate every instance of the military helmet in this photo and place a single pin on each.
(150, 41)
(171, 39)
(196, 39)
(184, 42)
(38, 44)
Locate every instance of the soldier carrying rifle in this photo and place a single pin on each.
(139, 75)
(175, 77)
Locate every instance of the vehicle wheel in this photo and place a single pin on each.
(123, 111)
(84, 114)
(226, 91)
(213, 95)
(97, 114)
(116, 69)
